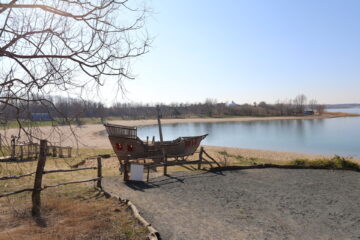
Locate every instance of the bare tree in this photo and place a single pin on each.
(320, 108)
(300, 102)
(313, 104)
(65, 46)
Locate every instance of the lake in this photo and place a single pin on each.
(330, 136)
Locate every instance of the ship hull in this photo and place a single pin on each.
(135, 148)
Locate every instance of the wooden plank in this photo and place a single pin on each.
(17, 177)
(68, 170)
(66, 183)
(211, 158)
(173, 163)
(16, 192)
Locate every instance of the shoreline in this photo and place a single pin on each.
(88, 136)
(147, 122)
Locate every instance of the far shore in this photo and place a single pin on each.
(147, 122)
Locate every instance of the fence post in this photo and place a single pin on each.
(61, 155)
(48, 151)
(148, 173)
(36, 201)
(37, 150)
(200, 157)
(165, 164)
(69, 152)
(54, 151)
(99, 172)
(28, 151)
(126, 169)
(21, 152)
(12, 147)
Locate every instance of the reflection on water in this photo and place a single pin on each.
(322, 136)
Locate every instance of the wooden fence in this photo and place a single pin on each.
(30, 150)
(38, 186)
(204, 158)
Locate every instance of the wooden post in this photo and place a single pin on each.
(126, 169)
(12, 147)
(69, 152)
(159, 123)
(36, 202)
(54, 151)
(61, 155)
(48, 153)
(0, 142)
(99, 172)
(161, 139)
(28, 152)
(21, 152)
(200, 157)
(165, 164)
(36, 150)
(148, 173)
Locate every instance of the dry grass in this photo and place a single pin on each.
(84, 215)
(341, 114)
(75, 211)
(336, 162)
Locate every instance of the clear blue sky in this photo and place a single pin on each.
(250, 50)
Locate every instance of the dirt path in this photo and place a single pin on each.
(249, 204)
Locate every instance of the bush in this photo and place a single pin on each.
(336, 162)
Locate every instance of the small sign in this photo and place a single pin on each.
(136, 172)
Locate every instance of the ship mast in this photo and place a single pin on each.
(159, 122)
(164, 159)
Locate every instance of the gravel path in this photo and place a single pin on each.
(249, 204)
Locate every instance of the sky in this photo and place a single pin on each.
(249, 51)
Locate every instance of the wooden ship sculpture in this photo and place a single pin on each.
(128, 147)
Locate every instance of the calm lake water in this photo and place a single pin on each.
(319, 136)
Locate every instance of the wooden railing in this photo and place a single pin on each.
(36, 190)
(30, 150)
(204, 158)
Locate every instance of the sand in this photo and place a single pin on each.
(248, 204)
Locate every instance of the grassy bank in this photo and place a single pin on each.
(336, 162)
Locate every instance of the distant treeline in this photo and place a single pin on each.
(69, 108)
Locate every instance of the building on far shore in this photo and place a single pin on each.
(41, 117)
(232, 104)
(309, 112)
